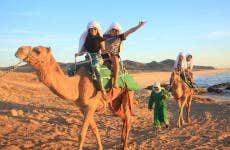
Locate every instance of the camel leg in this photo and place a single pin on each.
(96, 133)
(188, 107)
(88, 114)
(179, 105)
(127, 122)
(180, 118)
(127, 129)
(123, 131)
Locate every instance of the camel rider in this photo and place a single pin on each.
(92, 41)
(189, 68)
(159, 96)
(114, 38)
(181, 66)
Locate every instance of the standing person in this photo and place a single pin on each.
(92, 41)
(114, 44)
(159, 96)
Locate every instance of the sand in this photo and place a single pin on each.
(31, 117)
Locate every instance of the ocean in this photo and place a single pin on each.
(213, 79)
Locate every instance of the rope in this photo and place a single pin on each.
(11, 70)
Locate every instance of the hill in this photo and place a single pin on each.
(165, 65)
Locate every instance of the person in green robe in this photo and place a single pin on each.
(159, 96)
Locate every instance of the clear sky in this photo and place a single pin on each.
(201, 27)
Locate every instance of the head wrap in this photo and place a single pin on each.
(117, 27)
(158, 85)
(183, 64)
(92, 24)
(189, 63)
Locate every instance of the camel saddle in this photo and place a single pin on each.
(107, 76)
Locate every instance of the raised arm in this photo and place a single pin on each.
(126, 34)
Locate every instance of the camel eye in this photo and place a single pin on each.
(36, 51)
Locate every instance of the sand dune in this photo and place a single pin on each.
(31, 117)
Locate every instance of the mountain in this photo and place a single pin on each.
(165, 65)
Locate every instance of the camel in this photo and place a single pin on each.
(183, 94)
(78, 89)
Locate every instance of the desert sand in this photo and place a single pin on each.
(31, 117)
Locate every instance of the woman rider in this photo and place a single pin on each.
(179, 65)
(114, 43)
(92, 42)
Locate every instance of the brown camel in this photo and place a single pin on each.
(183, 94)
(79, 89)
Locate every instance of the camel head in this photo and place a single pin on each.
(35, 56)
(177, 84)
(176, 77)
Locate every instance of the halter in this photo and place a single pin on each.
(30, 56)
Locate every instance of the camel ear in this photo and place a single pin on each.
(48, 49)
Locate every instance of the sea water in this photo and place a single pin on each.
(213, 79)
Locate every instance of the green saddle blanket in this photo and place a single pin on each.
(187, 80)
(107, 77)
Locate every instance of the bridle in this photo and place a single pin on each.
(29, 56)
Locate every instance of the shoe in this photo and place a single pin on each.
(167, 125)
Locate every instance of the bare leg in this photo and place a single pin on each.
(116, 68)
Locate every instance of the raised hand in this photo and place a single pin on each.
(142, 23)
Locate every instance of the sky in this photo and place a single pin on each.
(201, 27)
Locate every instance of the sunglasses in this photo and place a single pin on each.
(92, 28)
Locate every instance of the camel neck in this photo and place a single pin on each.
(60, 84)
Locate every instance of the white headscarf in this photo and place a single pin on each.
(189, 63)
(158, 85)
(92, 24)
(183, 64)
(118, 27)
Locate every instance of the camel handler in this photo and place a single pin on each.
(92, 41)
(114, 44)
(159, 96)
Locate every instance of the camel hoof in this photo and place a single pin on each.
(178, 125)
(100, 148)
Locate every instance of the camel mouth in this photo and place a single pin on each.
(19, 56)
